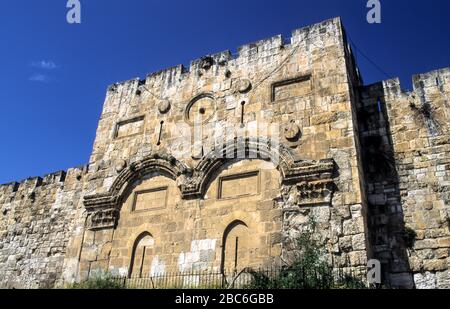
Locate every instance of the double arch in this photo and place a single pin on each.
(193, 182)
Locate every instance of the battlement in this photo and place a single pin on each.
(432, 81)
(245, 53)
(34, 183)
(389, 150)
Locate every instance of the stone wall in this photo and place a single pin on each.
(302, 88)
(37, 217)
(165, 192)
(405, 137)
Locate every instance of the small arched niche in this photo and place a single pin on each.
(236, 252)
(141, 256)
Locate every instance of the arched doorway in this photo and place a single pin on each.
(235, 248)
(140, 263)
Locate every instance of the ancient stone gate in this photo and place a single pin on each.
(219, 166)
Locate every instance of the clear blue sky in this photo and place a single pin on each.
(53, 76)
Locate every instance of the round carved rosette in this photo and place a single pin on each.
(292, 132)
(164, 107)
(120, 165)
(201, 109)
(243, 86)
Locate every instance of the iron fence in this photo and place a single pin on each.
(269, 278)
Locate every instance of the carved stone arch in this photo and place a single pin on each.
(313, 178)
(165, 166)
(103, 209)
(292, 169)
(202, 96)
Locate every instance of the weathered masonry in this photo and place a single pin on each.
(370, 163)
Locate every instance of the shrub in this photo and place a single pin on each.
(98, 283)
(309, 270)
(409, 236)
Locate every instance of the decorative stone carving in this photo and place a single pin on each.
(120, 165)
(314, 177)
(164, 107)
(317, 193)
(202, 108)
(292, 170)
(97, 204)
(103, 219)
(189, 183)
(292, 132)
(243, 86)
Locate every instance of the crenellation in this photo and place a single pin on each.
(58, 177)
(416, 137)
(259, 49)
(10, 187)
(253, 51)
(366, 162)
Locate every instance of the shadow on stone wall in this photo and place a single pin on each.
(385, 213)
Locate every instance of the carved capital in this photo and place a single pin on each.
(102, 219)
(190, 184)
(317, 193)
(307, 171)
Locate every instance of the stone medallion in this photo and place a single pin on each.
(164, 107)
(292, 132)
(201, 109)
(120, 165)
(243, 86)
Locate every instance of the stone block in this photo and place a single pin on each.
(359, 242)
(425, 281)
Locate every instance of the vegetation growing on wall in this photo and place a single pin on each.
(309, 269)
(409, 235)
(98, 283)
(426, 112)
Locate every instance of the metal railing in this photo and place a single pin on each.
(269, 278)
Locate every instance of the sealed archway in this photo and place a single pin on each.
(236, 252)
(141, 256)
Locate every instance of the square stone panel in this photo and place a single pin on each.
(291, 88)
(150, 199)
(239, 185)
(130, 127)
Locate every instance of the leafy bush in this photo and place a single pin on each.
(309, 269)
(409, 236)
(98, 283)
